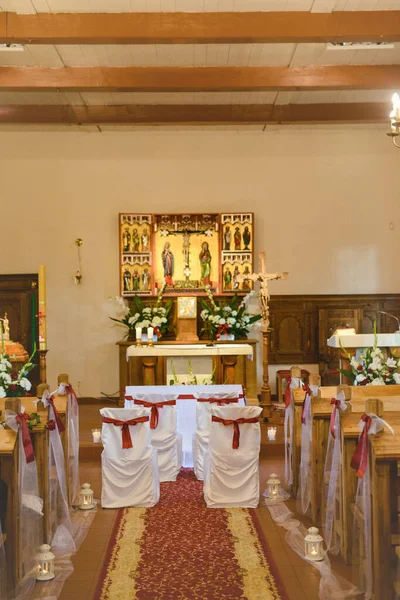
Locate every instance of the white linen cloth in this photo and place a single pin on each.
(164, 437)
(129, 475)
(203, 422)
(305, 473)
(185, 407)
(293, 384)
(231, 476)
(73, 440)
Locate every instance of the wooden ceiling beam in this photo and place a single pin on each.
(147, 114)
(200, 28)
(179, 79)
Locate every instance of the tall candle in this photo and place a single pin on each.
(138, 333)
(150, 332)
(42, 308)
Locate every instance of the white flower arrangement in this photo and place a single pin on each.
(226, 318)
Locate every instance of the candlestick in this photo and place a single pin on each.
(42, 308)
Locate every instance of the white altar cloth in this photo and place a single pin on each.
(185, 407)
(190, 350)
(364, 340)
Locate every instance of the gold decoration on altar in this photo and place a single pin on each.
(14, 350)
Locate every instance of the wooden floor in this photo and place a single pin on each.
(300, 579)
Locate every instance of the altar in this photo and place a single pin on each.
(233, 363)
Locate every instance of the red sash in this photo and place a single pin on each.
(219, 401)
(60, 424)
(154, 409)
(336, 405)
(288, 392)
(308, 392)
(235, 423)
(360, 457)
(72, 396)
(126, 436)
(22, 419)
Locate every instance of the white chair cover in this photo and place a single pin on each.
(30, 511)
(73, 439)
(205, 401)
(305, 475)
(294, 383)
(60, 518)
(164, 437)
(129, 475)
(231, 477)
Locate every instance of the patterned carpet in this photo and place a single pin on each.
(179, 549)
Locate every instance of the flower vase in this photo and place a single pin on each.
(226, 337)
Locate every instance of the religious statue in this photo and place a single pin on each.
(136, 280)
(135, 241)
(246, 282)
(145, 241)
(246, 237)
(145, 279)
(168, 263)
(205, 264)
(227, 238)
(126, 240)
(237, 238)
(127, 280)
(6, 327)
(227, 279)
(236, 272)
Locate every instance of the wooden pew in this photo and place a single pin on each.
(9, 476)
(298, 398)
(321, 412)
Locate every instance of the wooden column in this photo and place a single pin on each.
(228, 369)
(149, 364)
(265, 394)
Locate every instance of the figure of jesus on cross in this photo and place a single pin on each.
(263, 278)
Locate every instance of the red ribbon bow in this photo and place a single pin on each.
(219, 401)
(308, 392)
(154, 409)
(336, 405)
(22, 419)
(60, 424)
(126, 436)
(236, 430)
(72, 396)
(51, 425)
(288, 392)
(360, 457)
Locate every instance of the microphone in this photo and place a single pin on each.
(383, 312)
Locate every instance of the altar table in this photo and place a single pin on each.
(148, 365)
(185, 407)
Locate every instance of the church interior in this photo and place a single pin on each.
(199, 300)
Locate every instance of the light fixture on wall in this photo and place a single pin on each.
(394, 120)
(78, 274)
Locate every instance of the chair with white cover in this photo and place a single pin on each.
(164, 437)
(231, 464)
(205, 401)
(129, 462)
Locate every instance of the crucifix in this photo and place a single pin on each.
(263, 278)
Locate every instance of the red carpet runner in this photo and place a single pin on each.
(181, 550)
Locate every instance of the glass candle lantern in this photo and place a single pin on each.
(45, 561)
(271, 432)
(273, 487)
(86, 497)
(96, 433)
(313, 545)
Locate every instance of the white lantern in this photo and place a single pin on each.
(45, 559)
(273, 487)
(96, 433)
(313, 545)
(86, 497)
(271, 432)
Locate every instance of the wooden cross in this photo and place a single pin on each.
(263, 278)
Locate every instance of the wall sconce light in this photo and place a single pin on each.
(78, 274)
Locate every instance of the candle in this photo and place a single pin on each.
(96, 433)
(150, 331)
(271, 432)
(261, 260)
(42, 308)
(314, 551)
(138, 333)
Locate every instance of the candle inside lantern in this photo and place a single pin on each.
(150, 332)
(42, 308)
(314, 551)
(271, 432)
(96, 433)
(138, 333)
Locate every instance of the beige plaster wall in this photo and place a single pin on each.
(323, 200)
